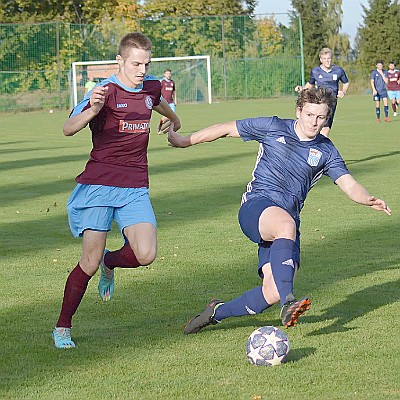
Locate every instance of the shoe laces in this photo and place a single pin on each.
(64, 333)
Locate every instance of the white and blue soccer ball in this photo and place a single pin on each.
(267, 346)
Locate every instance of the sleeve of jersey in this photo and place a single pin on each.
(335, 166)
(312, 79)
(83, 105)
(254, 128)
(344, 78)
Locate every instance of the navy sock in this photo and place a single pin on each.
(282, 266)
(251, 302)
(378, 112)
(386, 108)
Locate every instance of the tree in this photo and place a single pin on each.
(377, 38)
(315, 30)
(337, 42)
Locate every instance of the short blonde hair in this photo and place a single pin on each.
(325, 50)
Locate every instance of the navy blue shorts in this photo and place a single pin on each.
(249, 216)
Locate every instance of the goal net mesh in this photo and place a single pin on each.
(190, 74)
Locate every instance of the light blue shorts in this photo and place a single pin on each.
(172, 106)
(95, 207)
(394, 94)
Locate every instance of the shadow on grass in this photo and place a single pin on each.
(298, 354)
(357, 305)
(373, 157)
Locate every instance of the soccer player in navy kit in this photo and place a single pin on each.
(168, 93)
(379, 81)
(328, 76)
(114, 184)
(292, 156)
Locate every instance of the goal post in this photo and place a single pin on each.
(191, 74)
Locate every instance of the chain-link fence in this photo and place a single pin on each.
(251, 57)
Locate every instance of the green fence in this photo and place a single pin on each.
(251, 57)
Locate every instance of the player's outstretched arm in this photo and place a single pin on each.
(209, 134)
(78, 122)
(359, 194)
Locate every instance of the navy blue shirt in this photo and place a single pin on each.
(330, 80)
(379, 83)
(287, 168)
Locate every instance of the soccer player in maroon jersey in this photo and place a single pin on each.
(168, 93)
(393, 86)
(114, 184)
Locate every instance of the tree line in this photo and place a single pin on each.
(321, 24)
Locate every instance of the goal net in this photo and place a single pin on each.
(191, 74)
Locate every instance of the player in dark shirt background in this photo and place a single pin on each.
(292, 156)
(114, 184)
(328, 76)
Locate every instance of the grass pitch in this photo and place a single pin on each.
(346, 346)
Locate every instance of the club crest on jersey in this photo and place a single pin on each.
(149, 102)
(313, 157)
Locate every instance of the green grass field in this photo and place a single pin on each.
(345, 347)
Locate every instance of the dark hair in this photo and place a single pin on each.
(379, 62)
(392, 62)
(316, 96)
(135, 40)
(167, 70)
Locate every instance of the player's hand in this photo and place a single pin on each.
(176, 140)
(166, 124)
(298, 88)
(340, 94)
(97, 98)
(378, 204)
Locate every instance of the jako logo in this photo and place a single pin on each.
(122, 105)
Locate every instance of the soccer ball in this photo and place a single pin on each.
(267, 346)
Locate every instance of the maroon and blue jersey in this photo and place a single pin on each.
(328, 79)
(120, 134)
(167, 89)
(287, 168)
(393, 78)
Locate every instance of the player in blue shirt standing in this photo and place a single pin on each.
(328, 76)
(292, 156)
(379, 81)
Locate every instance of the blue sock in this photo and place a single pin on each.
(282, 266)
(378, 112)
(251, 302)
(386, 108)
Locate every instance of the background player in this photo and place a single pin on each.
(168, 93)
(328, 76)
(270, 210)
(393, 86)
(379, 81)
(114, 184)
(89, 85)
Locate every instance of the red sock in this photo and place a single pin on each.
(123, 258)
(74, 290)
(394, 108)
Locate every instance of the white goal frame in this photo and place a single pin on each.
(75, 64)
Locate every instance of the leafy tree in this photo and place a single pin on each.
(377, 38)
(315, 30)
(339, 43)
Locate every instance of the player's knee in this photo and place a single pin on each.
(287, 229)
(146, 254)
